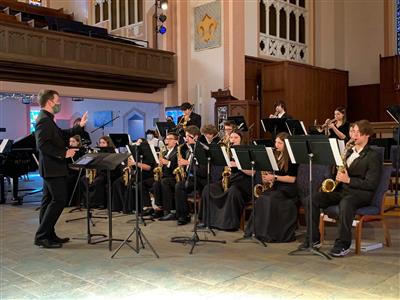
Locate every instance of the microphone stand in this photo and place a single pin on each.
(103, 125)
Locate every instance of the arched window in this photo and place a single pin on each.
(272, 20)
(282, 24)
(263, 18)
(286, 32)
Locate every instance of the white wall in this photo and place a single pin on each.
(251, 28)
(13, 117)
(206, 71)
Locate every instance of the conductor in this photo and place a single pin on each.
(51, 143)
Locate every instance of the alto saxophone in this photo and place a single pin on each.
(179, 172)
(262, 187)
(329, 185)
(226, 174)
(158, 172)
(126, 175)
(90, 175)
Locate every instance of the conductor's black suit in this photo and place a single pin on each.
(51, 142)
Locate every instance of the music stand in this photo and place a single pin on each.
(264, 142)
(108, 162)
(120, 140)
(296, 127)
(394, 112)
(274, 125)
(134, 151)
(240, 123)
(165, 127)
(312, 149)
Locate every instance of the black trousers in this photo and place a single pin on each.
(53, 202)
(348, 203)
(164, 193)
(182, 189)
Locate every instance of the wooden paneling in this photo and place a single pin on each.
(363, 102)
(43, 56)
(309, 92)
(390, 84)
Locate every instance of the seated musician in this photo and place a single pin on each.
(97, 180)
(123, 196)
(276, 209)
(73, 172)
(357, 185)
(186, 186)
(164, 187)
(209, 134)
(280, 110)
(227, 197)
(85, 137)
(229, 126)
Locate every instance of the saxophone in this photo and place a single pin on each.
(126, 174)
(329, 185)
(90, 175)
(262, 187)
(179, 172)
(226, 174)
(158, 172)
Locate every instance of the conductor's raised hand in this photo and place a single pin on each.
(84, 120)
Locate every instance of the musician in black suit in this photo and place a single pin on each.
(51, 142)
(164, 189)
(280, 110)
(356, 188)
(189, 117)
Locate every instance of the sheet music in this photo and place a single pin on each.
(154, 152)
(226, 155)
(341, 146)
(129, 150)
(3, 145)
(304, 128)
(336, 152)
(236, 159)
(288, 128)
(272, 158)
(290, 151)
(262, 123)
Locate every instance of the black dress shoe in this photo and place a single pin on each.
(158, 214)
(47, 244)
(183, 220)
(169, 217)
(59, 240)
(16, 201)
(148, 212)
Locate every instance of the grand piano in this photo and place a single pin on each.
(16, 159)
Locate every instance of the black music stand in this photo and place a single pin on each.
(264, 142)
(308, 150)
(274, 126)
(108, 162)
(394, 112)
(246, 157)
(296, 127)
(199, 158)
(120, 140)
(134, 151)
(165, 127)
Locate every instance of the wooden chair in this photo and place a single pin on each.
(371, 213)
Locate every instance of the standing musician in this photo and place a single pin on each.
(225, 207)
(280, 110)
(189, 117)
(51, 143)
(186, 186)
(164, 188)
(356, 188)
(276, 207)
(339, 127)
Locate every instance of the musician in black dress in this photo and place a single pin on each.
(51, 142)
(339, 127)
(275, 209)
(225, 207)
(164, 188)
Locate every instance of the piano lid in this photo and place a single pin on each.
(25, 143)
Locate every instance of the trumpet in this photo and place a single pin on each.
(329, 185)
(260, 188)
(324, 127)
